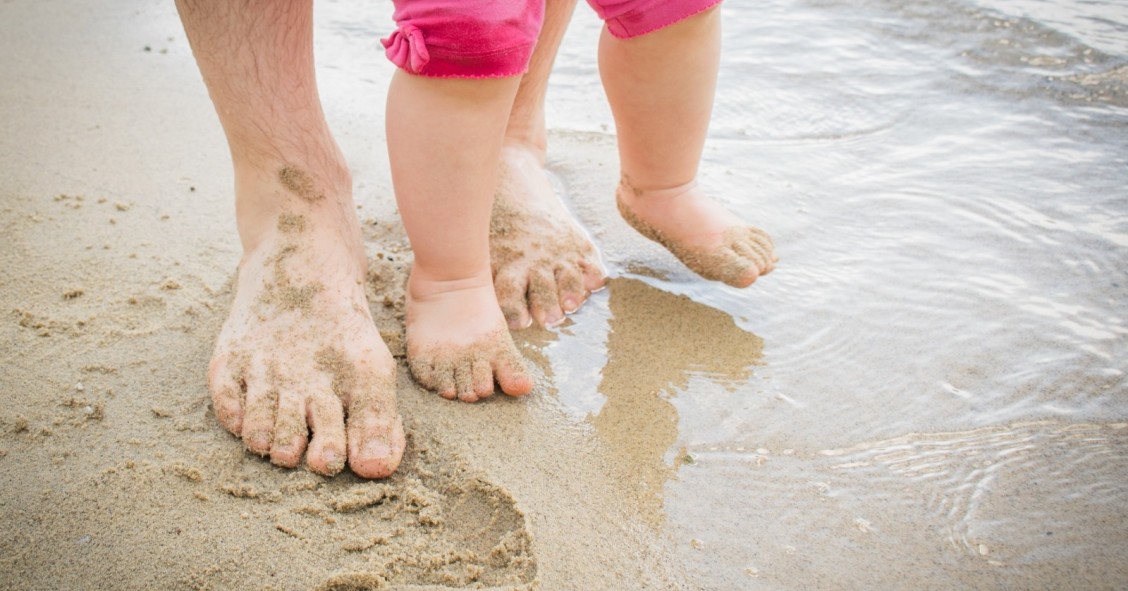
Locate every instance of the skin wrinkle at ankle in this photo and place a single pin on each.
(660, 193)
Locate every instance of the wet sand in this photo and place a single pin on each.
(665, 447)
(118, 251)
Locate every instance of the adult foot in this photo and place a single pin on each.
(700, 232)
(299, 350)
(457, 342)
(544, 263)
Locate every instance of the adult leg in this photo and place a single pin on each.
(660, 86)
(299, 350)
(544, 263)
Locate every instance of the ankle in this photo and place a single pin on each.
(297, 180)
(633, 191)
(530, 143)
(424, 284)
(263, 193)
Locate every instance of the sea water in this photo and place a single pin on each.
(929, 391)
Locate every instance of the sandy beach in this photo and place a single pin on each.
(677, 452)
(119, 251)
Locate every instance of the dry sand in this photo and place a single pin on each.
(116, 258)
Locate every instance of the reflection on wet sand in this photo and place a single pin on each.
(657, 342)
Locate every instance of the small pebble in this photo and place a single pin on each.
(983, 550)
(83, 540)
(697, 544)
(752, 571)
(79, 387)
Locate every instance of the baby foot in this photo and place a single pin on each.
(544, 264)
(700, 232)
(457, 342)
(299, 350)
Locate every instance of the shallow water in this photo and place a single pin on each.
(929, 391)
(932, 382)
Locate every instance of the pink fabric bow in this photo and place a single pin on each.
(406, 49)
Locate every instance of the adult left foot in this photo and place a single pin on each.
(699, 231)
(299, 351)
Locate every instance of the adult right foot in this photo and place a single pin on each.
(544, 263)
(299, 350)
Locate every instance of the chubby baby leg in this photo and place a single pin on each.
(660, 84)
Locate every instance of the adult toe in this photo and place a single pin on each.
(290, 430)
(544, 304)
(258, 413)
(570, 288)
(375, 432)
(511, 287)
(227, 393)
(594, 275)
(326, 417)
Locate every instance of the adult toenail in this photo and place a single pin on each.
(376, 449)
(334, 462)
(260, 440)
(569, 305)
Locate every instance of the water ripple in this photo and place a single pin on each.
(983, 486)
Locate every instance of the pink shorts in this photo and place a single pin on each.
(495, 38)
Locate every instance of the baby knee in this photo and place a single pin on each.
(632, 18)
(464, 38)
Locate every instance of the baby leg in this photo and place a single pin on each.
(446, 117)
(660, 80)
